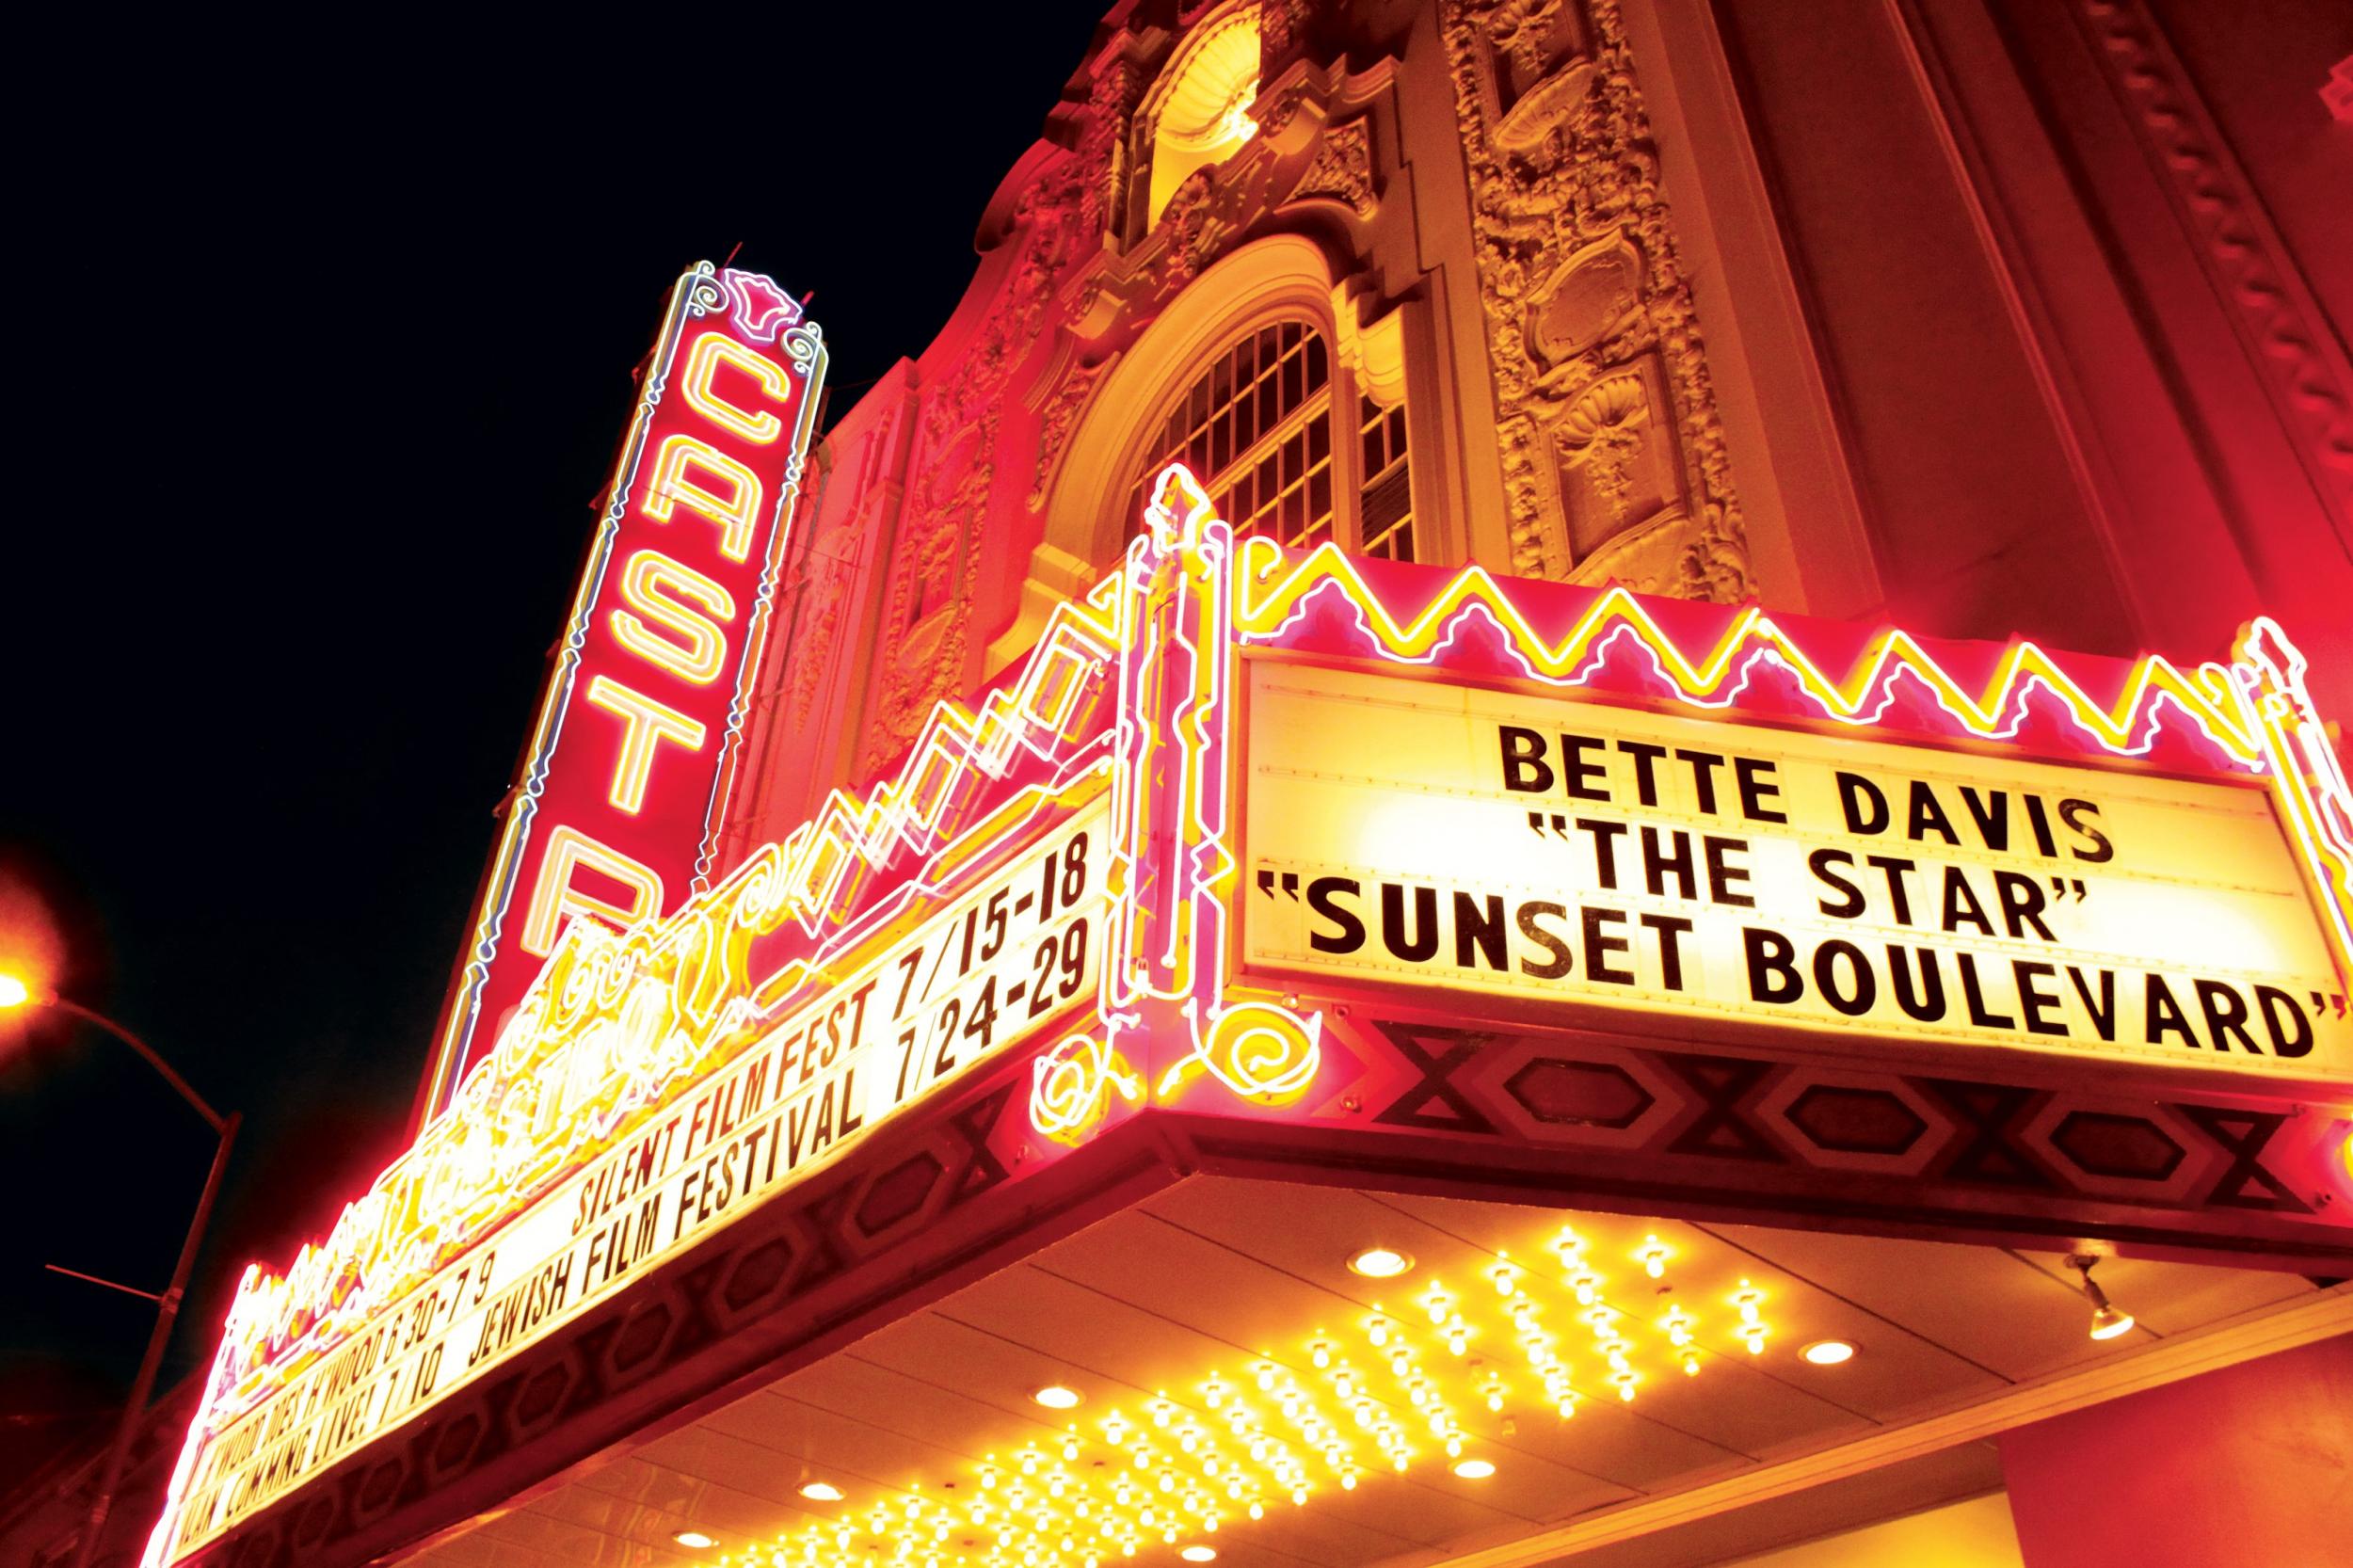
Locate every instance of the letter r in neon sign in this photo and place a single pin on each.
(555, 900)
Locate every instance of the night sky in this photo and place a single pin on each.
(330, 356)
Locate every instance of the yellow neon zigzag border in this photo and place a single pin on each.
(1274, 586)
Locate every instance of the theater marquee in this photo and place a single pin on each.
(1243, 821)
(1570, 852)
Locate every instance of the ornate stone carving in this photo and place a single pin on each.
(816, 596)
(932, 576)
(1618, 469)
(1189, 234)
(1061, 412)
(2287, 338)
(1612, 451)
(1111, 103)
(934, 570)
(1280, 24)
(1342, 170)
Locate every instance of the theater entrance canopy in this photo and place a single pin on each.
(1422, 1058)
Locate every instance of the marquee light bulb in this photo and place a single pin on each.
(821, 1492)
(1652, 1256)
(1473, 1469)
(1055, 1396)
(1829, 1353)
(695, 1541)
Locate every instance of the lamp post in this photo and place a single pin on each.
(16, 993)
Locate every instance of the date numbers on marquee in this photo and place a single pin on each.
(999, 980)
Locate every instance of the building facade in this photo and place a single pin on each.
(1727, 410)
(1996, 322)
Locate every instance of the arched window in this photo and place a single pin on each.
(1256, 428)
(1257, 431)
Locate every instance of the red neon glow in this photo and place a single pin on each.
(1134, 683)
(615, 805)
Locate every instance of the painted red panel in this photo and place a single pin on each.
(2250, 1465)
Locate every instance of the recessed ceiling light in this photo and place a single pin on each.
(1381, 1262)
(1829, 1353)
(1199, 1554)
(694, 1540)
(1473, 1469)
(1055, 1397)
(821, 1492)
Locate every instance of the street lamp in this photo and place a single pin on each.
(15, 992)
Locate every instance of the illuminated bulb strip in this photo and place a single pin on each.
(1679, 1327)
(1586, 1284)
(1319, 1435)
(1175, 1468)
(1535, 1345)
(1036, 1512)
(1613, 1347)
(1404, 1368)
(1751, 1330)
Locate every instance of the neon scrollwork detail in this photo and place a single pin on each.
(1072, 1084)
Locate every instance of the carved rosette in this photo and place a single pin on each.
(1342, 170)
(1613, 455)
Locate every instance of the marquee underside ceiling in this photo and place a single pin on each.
(1214, 1273)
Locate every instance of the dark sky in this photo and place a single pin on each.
(330, 345)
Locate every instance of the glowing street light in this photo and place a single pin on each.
(16, 992)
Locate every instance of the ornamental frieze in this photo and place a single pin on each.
(1613, 453)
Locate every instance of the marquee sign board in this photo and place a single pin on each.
(614, 812)
(1580, 855)
(974, 980)
(1237, 793)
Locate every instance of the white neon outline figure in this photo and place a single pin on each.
(762, 308)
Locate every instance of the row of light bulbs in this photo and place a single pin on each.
(1272, 1434)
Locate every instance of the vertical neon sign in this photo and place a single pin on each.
(615, 808)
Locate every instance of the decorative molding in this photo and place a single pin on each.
(2288, 340)
(1054, 424)
(1580, 280)
(925, 642)
(1892, 1144)
(1374, 351)
(1342, 170)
